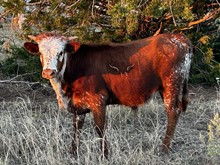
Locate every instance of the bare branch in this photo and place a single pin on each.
(171, 11)
(5, 13)
(93, 4)
(68, 7)
(34, 3)
(12, 80)
(158, 31)
(18, 82)
(38, 3)
(205, 18)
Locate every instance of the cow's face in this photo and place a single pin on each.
(53, 53)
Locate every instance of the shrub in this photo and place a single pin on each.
(119, 21)
(22, 65)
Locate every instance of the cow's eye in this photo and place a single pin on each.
(60, 54)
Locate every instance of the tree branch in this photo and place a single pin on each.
(158, 31)
(208, 16)
(14, 81)
(5, 13)
(18, 82)
(171, 11)
(205, 18)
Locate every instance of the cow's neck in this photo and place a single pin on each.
(69, 70)
(62, 99)
(63, 69)
(61, 81)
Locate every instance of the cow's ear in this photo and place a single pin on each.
(72, 47)
(31, 47)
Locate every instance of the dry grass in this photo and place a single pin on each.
(36, 133)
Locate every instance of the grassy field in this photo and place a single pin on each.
(34, 132)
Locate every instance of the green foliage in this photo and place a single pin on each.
(206, 61)
(125, 20)
(22, 64)
(180, 9)
(98, 21)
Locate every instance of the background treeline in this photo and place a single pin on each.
(121, 21)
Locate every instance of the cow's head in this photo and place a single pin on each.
(53, 50)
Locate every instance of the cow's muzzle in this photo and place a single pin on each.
(48, 73)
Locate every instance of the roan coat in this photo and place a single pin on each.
(88, 77)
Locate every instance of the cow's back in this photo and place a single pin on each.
(132, 71)
(147, 69)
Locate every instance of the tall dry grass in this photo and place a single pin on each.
(36, 133)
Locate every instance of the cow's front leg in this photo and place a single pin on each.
(96, 104)
(99, 119)
(78, 121)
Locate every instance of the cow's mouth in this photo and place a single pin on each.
(48, 73)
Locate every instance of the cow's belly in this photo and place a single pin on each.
(131, 90)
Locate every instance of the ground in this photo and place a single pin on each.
(38, 92)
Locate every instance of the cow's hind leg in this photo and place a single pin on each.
(78, 122)
(173, 109)
(185, 97)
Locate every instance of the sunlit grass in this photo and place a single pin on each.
(37, 133)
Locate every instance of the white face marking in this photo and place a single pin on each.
(51, 48)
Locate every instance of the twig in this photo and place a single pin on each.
(171, 10)
(14, 81)
(93, 4)
(34, 3)
(208, 16)
(5, 13)
(21, 75)
(158, 31)
(18, 82)
(68, 7)
(205, 18)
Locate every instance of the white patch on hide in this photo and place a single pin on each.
(61, 73)
(184, 67)
(90, 101)
(178, 42)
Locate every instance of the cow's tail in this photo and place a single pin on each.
(185, 93)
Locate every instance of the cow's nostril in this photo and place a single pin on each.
(48, 73)
(52, 73)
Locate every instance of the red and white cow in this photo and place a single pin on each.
(87, 77)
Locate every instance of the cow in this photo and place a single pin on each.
(88, 77)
